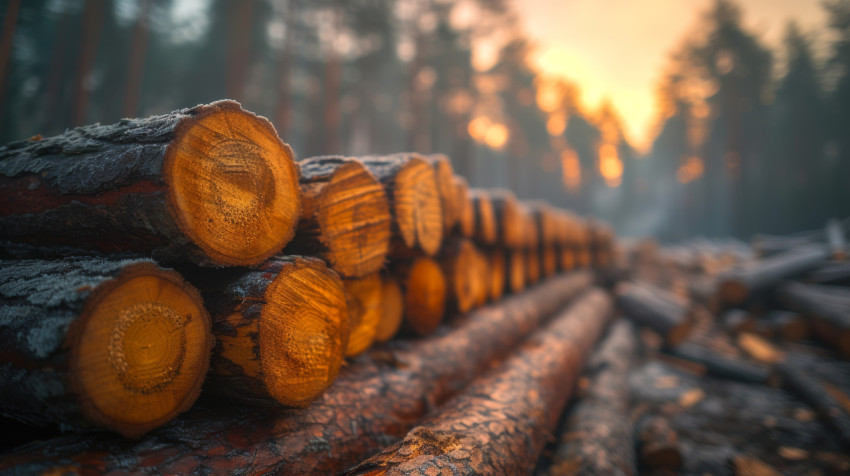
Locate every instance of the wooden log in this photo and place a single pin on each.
(423, 284)
(657, 443)
(598, 436)
(786, 325)
(444, 176)
(364, 311)
(546, 221)
(119, 344)
(722, 366)
(737, 320)
(281, 332)
(532, 265)
(482, 283)
(377, 398)
(213, 184)
(485, 221)
(737, 286)
(509, 218)
(801, 383)
(414, 199)
(466, 218)
(463, 281)
(392, 309)
(567, 258)
(515, 266)
(829, 308)
(548, 261)
(346, 216)
(656, 308)
(496, 278)
(767, 245)
(499, 424)
(837, 273)
(530, 229)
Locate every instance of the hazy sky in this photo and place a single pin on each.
(617, 49)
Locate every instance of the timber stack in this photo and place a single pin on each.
(151, 259)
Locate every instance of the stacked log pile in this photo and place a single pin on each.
(148, 259)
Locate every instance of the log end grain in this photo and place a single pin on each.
(733, 291)
(466, 209)
(459, 262)
(424, 296)
(392, 302)
(516, 268)
(418, 210)
(296, 345)
(232, 184)
(496, 276)
(353, 217)
(485, 221)
(364, 309)
(444, 176)
(140, 350)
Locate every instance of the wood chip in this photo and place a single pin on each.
(759, 348)
(749, 466)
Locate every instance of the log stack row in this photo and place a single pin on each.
(147, 259)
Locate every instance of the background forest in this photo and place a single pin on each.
(749, 139)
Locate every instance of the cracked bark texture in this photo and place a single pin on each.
(374, 401)
(500, 423)
(213, 184)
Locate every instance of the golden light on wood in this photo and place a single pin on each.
(230, 181)
(364, 309)
(140, 351)
(425, 296)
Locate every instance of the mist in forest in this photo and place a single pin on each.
(748, 139)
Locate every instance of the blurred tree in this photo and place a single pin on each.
(838, 152)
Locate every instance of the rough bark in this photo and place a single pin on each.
(485, 220)
(597, 438)
(345, 218)
(423, 284)
(829, 308)
(120, 344)
(739, 285)
(281, 332)
(656, 308)
(657, 443)
(213, 184)
(499, 424)
(414, 199)
(376, 399)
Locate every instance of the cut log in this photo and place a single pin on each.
(532, 265)
(414, 198)
(799, 381)
(392, 301)
(546, 221)
(364, 311)
(509, 218)
(346, 216)
(722, 366)
(566, 258)
(657, 443)
(598, 436)
(656, 308)
(213, 184)
(120, 344)
(829, 308)
(737, 286)
(530, 230)
(482, 283)
(281, 332)
(499, 424)
(424, 286)
(832, 273)
(496, 278)
(463, 281)
(548, 261)
(377, 398)
(466, 217)
(786, 325)
(485, 221)
(515, 266)
(737, 320)
(444, 176)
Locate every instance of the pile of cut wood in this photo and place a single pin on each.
(151, 258)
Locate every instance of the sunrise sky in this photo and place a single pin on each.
(617, 49)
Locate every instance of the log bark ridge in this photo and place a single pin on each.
(213, 184)
(120, 344)
(346, 216)
(499, 424)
